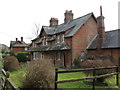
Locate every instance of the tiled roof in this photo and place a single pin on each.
(75, 24)
(56, 47)
(112, 40)
(49, 30)
(18, 44)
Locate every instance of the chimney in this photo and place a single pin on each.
(21, 39)
(101, 30)
(68, 16)
(16, 39)
(53, 22)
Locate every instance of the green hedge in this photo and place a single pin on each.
(22, 56)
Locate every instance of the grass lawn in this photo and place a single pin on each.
(19, 75)
(80, 84)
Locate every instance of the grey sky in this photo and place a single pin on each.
(18, 17)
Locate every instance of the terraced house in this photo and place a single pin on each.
(63, 43)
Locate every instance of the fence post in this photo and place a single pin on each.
(93, 79)
(117, 75)
(56, 78)
(5, 85)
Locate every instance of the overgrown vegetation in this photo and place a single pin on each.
(10, 63)
(22, 56)
(19, 75)
(40, 74)
(98, 63)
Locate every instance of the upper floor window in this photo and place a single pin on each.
(34, 45)
(46, 42)
(63, 38)
(58, 39)
(43, 42)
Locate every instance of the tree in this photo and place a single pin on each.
(37, 30)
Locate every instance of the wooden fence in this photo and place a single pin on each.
(89, 78)
(7, 83)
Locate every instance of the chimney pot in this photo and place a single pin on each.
(68, 16)
(22, 39)
(53, 22)
(16, 39)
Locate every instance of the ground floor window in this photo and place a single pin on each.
(36, 55)
(58, 56)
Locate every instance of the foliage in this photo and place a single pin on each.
(98, 63)
(40, 74)
(77, 63)
(22, 57)
(19, 75)
(11, 63)
(12, 54)
(1, 63)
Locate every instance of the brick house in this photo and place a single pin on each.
(105, 43)
(18, 46)
(63, 43)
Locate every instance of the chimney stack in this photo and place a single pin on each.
(53, 22)
(21, 39)
(68, 16)
(16, 39)
(101, 29)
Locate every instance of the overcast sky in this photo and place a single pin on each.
(18, 17)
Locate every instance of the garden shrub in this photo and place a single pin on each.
(98, 63)
(12, 54)
(11, 63)
(22, 57)
(1, 63)
(40, 74)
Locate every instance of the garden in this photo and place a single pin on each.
(41, 74)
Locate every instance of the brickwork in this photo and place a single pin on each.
(16, 50)
(83, 37)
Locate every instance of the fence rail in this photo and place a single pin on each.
(90, 78)
(7, 83)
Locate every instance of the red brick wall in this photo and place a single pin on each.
(115, 53)
(16, 50)
(83, 37)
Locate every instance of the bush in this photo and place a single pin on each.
(40, 74)
(11, 63)
(98, 63)
(12, 54)
(1, 63)
(22, 57)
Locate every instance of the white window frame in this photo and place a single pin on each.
(58, 56)
(26, 48)
(63, 40)
(58, 39)
(46, 42)
(43, 42)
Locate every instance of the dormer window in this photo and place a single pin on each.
(63, 38)
(34, 45)
(58, 39)
(43, 42)
(46, 42)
